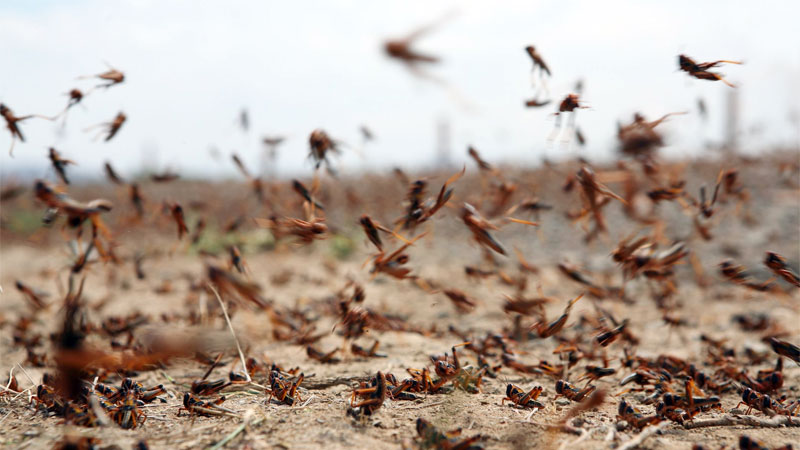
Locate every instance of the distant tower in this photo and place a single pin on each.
(266, 161)
(732, 121)
(149, 155)
(443, 143)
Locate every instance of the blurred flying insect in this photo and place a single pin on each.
(321, 144)
(366, 134)
(640, 139)
(255, 182)
(786, 349)
(371, 229)
(76, 96)
(75, 211)
(483, 165)
(534, 103)
(701, 70)
(306, 194)
(419, 210)
(531, 205)
(594, 196)
(777, 264)
(705, 205)
(111, 128)
(524, 306)
(233, 224)
(307, 230)
(164, 177)
(34, 296)
(273, 140)
(112, 76)
(606, 337)
(480, 228)
(232, 286)
(702, 109)
(11, 192)
(546, 330)
(236, 259)
(738, 274)
(136, 198)
(112, 174)
(244, 120)
(580, 137)
(575, 274)
(115, 125)
(393, 264)
(402, 50)
(11, 124)
(138, 259)
(199, 227)
(569, 104)
(538, 61)
(177, 214)
(59, 164)
(461, 300)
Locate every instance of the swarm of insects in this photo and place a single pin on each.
(272, 307)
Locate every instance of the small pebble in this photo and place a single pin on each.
(562, 402)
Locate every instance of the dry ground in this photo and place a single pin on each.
(317, 271)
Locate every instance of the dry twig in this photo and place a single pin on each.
(641, 437)
(733, 420)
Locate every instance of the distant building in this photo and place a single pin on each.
(443, 146)
(731, 143)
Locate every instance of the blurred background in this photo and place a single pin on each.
(192, 67)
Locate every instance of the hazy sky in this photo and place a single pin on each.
(191, 66)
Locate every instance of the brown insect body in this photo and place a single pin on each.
(701, 70)
(564, 388)
(519, 397)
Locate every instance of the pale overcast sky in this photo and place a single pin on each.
(191, 66)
